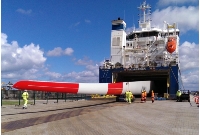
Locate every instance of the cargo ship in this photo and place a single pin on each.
(144, 54)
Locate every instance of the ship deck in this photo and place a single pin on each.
(101, 117)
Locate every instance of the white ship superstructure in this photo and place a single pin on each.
(146, 46)
(144, 54)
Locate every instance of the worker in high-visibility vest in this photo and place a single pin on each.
(126, 95)
(132, 97)
(129, 96)
(25, 99)
(152, 96)
(145, 95)
(178, 95)
(196, 99)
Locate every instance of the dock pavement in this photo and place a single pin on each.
(101, 117)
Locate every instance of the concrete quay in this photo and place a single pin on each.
(101, 117)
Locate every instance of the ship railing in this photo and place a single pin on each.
(151, 38)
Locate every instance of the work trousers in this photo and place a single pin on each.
(129, 99)
(25, 102)
(152, 99)
(178, 98)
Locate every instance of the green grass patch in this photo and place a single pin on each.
(15, 102)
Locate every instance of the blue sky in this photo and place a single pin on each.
(65, 40)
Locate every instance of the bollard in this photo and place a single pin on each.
(72, 97)
(1, 96)
(34, 97)
(57, 98)
(19, 96)
(65, 97)
(47, 99)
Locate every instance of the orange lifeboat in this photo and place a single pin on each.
(171, 44)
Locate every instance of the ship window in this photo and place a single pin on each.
(143, 34)
(116, 41)
(127, 57)
(131, 44)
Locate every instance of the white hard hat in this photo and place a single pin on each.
(25, 90)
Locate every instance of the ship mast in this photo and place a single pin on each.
(144, 16)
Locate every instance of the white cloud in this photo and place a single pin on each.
(187, 18)
(83, 76)
(29, 74)
(86, 76)
(53, 75)
(89, 75)
(94, 69)
(189, 65)
(68, 51)
(22, 11)
(14, 57)
(87, 21)
(129, 30)
(55, 52)
(20, 62)
(76, 24)
(175, 2)
(189, 56)
(191, 80)
(28, 63)
(84, 61)
(58, 52)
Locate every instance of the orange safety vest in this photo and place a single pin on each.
(142, 96)
(145, 93)
(196, 99)
(152, 95)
